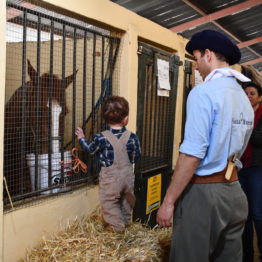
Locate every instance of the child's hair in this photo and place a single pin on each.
(115, 109)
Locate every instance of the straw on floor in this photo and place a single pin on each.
(87, 240)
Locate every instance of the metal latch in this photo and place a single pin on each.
(139, 50)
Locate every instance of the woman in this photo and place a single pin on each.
(250, 176)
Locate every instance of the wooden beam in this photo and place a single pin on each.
(252, 62)
(216, 15)
(250, 42)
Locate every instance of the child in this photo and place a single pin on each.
(117, 149)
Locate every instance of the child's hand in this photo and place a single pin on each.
(79, 133)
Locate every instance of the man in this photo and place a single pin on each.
(210, 214)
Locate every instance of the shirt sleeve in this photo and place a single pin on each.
(91, 147)
(133, 148)
(198, 123)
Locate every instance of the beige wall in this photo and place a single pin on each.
(24, 227)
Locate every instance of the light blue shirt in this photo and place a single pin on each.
(219, 123)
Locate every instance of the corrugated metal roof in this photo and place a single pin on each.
(241, 25)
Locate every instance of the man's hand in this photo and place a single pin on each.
(185, 168)
(165, 214)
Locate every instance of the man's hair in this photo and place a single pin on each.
(115, 109)
(218, 55)
(251, 84)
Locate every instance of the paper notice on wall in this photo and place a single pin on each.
(163, 74)
(163, 84)
(162, 92)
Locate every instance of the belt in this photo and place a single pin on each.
(218, 177)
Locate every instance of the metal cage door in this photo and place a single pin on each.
(155, 128)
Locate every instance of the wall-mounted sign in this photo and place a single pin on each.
(153, 199)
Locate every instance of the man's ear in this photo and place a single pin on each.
(209, 54)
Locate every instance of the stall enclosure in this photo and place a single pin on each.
(156, 100)
(58, 71)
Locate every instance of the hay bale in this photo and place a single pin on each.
(87, 240)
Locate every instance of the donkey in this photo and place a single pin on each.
(27, 116)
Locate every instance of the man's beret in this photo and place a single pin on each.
(214, 41)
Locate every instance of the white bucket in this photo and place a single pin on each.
(43, 170)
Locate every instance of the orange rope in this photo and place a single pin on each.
(75, 164)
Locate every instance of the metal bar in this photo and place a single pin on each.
(102, 72)
(151, 119)
(158, 105)
(37, 102)
(172, 107)
(63, 99)
(111, 65)
(159, 126)
(153, 169)
(145, 120)
(84, 80)
(50, 98)
(35, 193)
(142, 73)
(93, 84)
(74, 92)
(165, 126)
(155, 145)
(117, 42)
(23, 109)
(185, 94)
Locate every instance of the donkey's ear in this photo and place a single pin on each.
(31, 71)
(69, 79)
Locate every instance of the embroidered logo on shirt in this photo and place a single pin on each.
(241, 121)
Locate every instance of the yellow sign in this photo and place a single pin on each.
(153, 199)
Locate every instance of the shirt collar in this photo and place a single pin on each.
(226, 71)
(116, 131)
